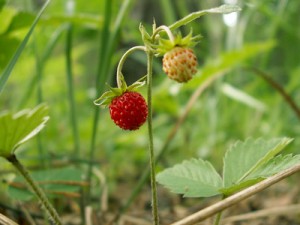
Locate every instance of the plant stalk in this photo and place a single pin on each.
(71, 94)
(218, 218)
(122, 61)
(150, 133)
(219, 215)
(36, 189)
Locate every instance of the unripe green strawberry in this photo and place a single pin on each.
(129, 111)
(180, 64)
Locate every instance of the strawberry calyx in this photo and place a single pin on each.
(165, 45)
(106, 98)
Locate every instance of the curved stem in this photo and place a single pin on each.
(150, 133)
(36, 188)
(122, 61)
(166, 29)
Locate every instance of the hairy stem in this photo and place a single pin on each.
(36, 189)
(150, 133)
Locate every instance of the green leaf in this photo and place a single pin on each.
(245, 158)
(5, 75)
(17, 128)
(223, 9)
(276, 165)
(192, 178)
(56, 182)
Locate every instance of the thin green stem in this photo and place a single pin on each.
(102, 74)
(122, 61)
(219, 215)
(36, 189)
(150, 133)
(71, 97)
(218, 218)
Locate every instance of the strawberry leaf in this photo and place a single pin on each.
(15, 129)
(276, 165)
(192, 178)
(245, 158)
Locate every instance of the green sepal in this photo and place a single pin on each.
(166, 45)
(146, 36)
(139, 83)
(121, 83)
(106, 98)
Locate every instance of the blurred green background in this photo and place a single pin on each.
(76, 46)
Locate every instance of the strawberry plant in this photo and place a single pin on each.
(179, 63)
(248, 167)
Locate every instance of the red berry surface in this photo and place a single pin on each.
(180, 64)
(129, 111)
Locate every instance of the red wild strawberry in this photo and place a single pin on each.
(129, 111)
(180, 64)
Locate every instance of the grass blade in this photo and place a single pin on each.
(7, 71)
(71, 89)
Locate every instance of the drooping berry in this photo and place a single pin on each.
(180, 64)
(129, 111)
